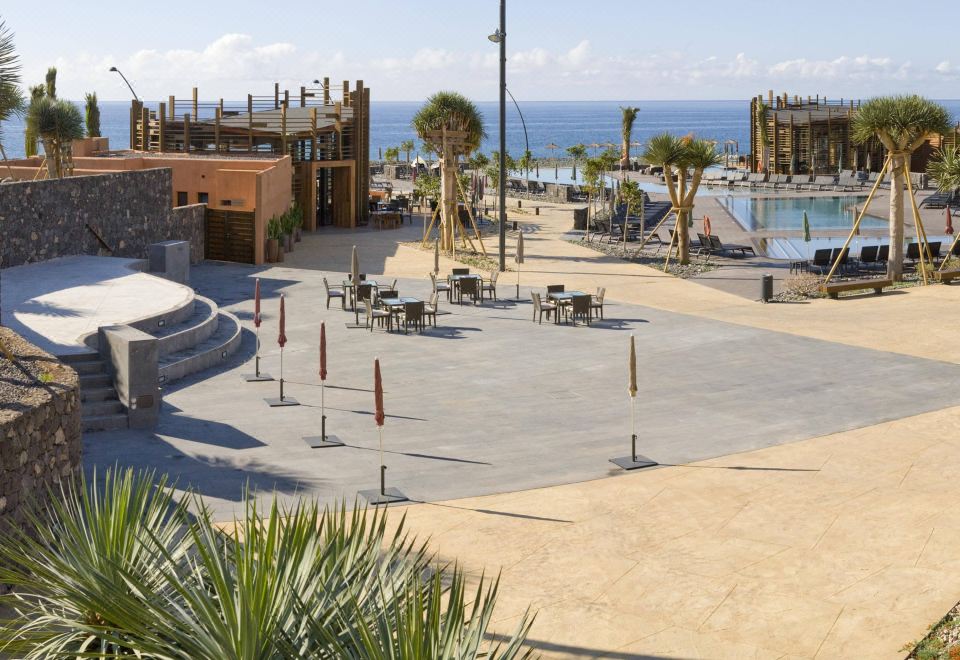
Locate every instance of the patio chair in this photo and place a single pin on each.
(883, 254)
(597, 301)
(387, 293)
(868, 255)
(461, 271)
(374, 314)
(843, 256)
(334, 292)
(412, 314)
(430, 310)
(717, 246)
(821, 259)
(539, 308)
(555, 288)
(579, 308)
(441, 286)
(468, 286)
(490, 285)
(913, 252)
(363, 292)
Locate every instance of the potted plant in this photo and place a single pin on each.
(286, 224)
(273, 240)
(297, 214)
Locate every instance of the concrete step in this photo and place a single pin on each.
(101, 408)
(97, 394)
(93, 381)
(89, 367)
(192, 331)
(71, 358)
(112, 422)
(215, 350)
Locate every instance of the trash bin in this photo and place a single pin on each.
(580, 219)
(766, 288)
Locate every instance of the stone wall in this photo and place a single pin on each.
(129, 210)
(39, 426)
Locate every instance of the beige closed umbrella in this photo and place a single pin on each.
(355, 280)
(634, 460)
(436, 257)
(519, 259)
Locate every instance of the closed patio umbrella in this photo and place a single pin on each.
(257, 376)
(282, 341)
(806, 231)
(519, 259)
(323, 440)
(706, 225)
(436, 257)
(633, 461)
(355, 280)
(949, 228)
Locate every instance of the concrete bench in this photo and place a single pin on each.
(946, 276)
(833, 289)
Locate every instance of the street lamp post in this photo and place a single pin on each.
(129, 86)
(500, 37)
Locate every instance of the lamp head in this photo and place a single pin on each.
(113, 69)
(316, 82)
(496, 37)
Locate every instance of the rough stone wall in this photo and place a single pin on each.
(40, 438)
(42, 220)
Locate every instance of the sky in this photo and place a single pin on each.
(405, 50)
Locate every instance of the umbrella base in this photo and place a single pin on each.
(628, 462)
(388, 496)
(279, 403)
(254, 378)
(319, 442)
(356, 326)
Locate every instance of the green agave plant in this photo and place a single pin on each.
(125, 567)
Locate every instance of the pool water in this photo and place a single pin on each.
(564, 175)
(786, 213)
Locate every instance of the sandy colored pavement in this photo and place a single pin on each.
(842, 546)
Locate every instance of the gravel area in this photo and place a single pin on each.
(692, 269)
(23, 379)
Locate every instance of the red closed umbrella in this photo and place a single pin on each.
(378, 393)
(323, 351)
(282, 339)
(256, 305)
(949, 228)
(706, 225)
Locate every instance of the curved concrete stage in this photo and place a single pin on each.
(56, 304)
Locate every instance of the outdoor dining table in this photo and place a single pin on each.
(563, 298)
(395, 305)
(348, 287)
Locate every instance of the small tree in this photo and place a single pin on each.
(492, 172)
(392, 154)
(407, 147)
(632, 196)
(51, 83)
(686, 158)
(577, 152)
(526, 163)
(58, 124)
(30, 136)
(629, 116)
(92, 115)
(902, 124)
(764, 134)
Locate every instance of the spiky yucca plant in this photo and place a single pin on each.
(945, 169)
(11, 98)
(92, 115)
(128, 568)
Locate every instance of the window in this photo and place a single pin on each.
(182, 198)
(203, 198)
(226, 202)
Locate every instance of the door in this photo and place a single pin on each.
(230, 235)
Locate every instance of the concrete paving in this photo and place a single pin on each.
(55, 304)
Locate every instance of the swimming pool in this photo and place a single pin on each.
(564, 175)
(786, 213)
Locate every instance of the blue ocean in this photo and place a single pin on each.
(561, 123)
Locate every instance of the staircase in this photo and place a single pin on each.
(195, 337)
(101, 410)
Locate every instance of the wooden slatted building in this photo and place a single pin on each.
(325, 134)
(793, 135)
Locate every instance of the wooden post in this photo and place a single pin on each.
(303, 96)
(196, 112)
(162, 117)
(346, 94)
(313, 134)
(286, 98)
(186, 133)
(283, 130)
(775, 141)
(276, 96)
(326, 91)
(338, 128)
(144, 128)
(134, 113)
(250, 122)
(216, 130)
(793, 139)
(173, 111)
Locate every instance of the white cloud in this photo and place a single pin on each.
(235, 64)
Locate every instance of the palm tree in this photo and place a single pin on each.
(945, 169)
(392, 154)
(902, 124)
(30, 137)
(92, 115)
(444, 113)
(58, 124)
(11, 98)
(577, 152)
(764, 133)
(629, 116)
(526, 163)
(50, 83)
(125, 567)
(684, 157)
(407, 147)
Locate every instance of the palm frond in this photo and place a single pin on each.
(454, 112)
(902, 119)
(944, 168)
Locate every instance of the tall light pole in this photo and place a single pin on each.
(500, 37)
(115, 69)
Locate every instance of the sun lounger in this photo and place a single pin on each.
(717, 246)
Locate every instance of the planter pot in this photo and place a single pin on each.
(273, 249)
(288, 242)
(298, 234)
